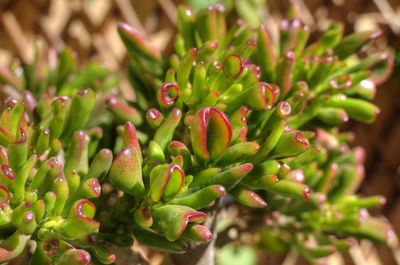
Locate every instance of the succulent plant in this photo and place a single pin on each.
(50, 163)
(234, 115)
(237, 114)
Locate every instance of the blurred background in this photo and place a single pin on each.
(88, 26)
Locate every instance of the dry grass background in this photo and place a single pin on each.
(88, 26)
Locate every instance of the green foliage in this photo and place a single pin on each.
(234, 115)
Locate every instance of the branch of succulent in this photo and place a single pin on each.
(51, 165)
(240, 114)
(233, 114)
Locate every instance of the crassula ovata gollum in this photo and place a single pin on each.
(233, 116)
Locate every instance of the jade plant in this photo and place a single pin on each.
(50, 162)
(257, 118)
(234, 116)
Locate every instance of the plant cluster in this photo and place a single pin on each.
(233, 115)
(50, 162)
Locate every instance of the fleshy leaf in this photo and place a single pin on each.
(211, 134)
(173, 220)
